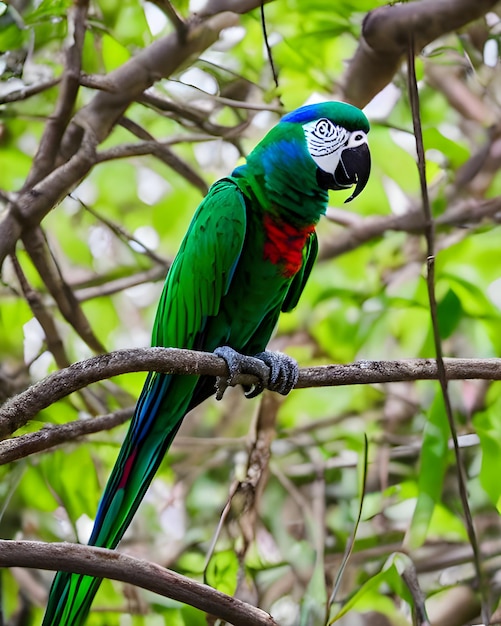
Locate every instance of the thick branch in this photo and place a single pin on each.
(103, 563)
(385, 33)
(17, 411)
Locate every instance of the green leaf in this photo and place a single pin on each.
(488, 427)
(222, 572)
(72, 477)
(12, 37)
(434, 460)
(114, 53)
(48, 10)
(372, 597)
(449, 314)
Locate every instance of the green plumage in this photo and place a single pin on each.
(245, 258)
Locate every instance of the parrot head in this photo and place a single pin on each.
(335, 137)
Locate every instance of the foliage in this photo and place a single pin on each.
(112, 240)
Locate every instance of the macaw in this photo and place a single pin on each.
(246, 257)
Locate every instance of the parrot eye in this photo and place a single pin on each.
(356, 139)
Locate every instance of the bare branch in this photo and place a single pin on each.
(385, 33)
(29, 208)
(167, 156)
(148, 147)
(121, 233)
(173, 15)
(27, 91)
(194, 115)
(93, 123)
(37, 247)
(52, 337)
(108, 287)
(56, 125)
(366, 229)
(130, 80)
(50, 436)
(102, 563)
(18, 410)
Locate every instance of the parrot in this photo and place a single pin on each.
(245, 258)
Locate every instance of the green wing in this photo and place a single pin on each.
(202, 270)
(299, 281)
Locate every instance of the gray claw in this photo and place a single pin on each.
(234, 367)
(283, 371)
(239, 364)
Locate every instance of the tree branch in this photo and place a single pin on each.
(70, 83)
(94, 122)
(366, 229)
(18, 410)
(103, 563)
(385, 33)
(50, 436)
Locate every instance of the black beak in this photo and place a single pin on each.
(353, 169)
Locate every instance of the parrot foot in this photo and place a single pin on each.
(283, 371)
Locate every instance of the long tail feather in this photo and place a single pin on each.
(163, 403)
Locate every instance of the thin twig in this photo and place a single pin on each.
(269, 52)
(53, 338)
(27, 91)
(192, 114)
(120, 232)
(40, 312)
(410, 578)
(174, 17)
(47, 266)
(362, 230)
(166, 155)
(350, 544)
(429, 232)
(51, 436)
(107, 286)
(148, 147)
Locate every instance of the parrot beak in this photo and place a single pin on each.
(353, 169)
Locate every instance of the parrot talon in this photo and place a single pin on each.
(282, 375)
(284, 371)
(238, 364)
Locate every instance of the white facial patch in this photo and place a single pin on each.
(325, 140)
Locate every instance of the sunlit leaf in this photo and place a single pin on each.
(222, 570)
(434, 460)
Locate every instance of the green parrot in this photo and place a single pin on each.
(246, 257)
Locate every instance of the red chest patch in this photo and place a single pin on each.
(284, 245)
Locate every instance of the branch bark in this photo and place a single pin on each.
(19, 410)
(385, 33)
(103, 563)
